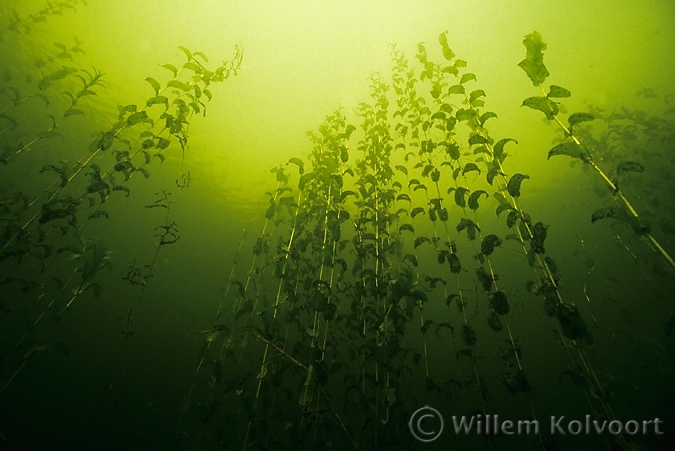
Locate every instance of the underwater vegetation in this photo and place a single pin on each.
(370, 255)
(45, 251)
(534, 67)
(399, 264)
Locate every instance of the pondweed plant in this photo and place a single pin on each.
(570, 325)
(17, 98)
(436, 144)
(624, 134)
(375, 252)
(39, 229)
(379, 278)
(412, 114)
(19, 25)
(533, 65)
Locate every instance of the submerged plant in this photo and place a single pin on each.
(364, 250)
(534, 67)
(19, 25)
(141, 134)
(383, 274)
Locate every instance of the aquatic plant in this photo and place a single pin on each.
(534, 67)
(141, 134)
(362, 243)
(380, 276)
(624, 134)
(19, 25)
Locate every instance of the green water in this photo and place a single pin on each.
(185, 267)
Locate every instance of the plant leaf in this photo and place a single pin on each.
(460, 192)
(485, 116)
(513, 186)
(492, 173)
(86, 92)
(172, 68)
(474, 197)
(158, 99)
(98, 214)
(570, 149)
(475, 95)
(467, 77)
(193, 67)
(154, 83)
(72, 112)
(453, 150)
(180, 85)
(477, 139)
(639, 225)
(416, 211)
(629, 166)
(557, 91)
(186, 51)
(494, 322)
(122, 188)
(470, 167)
(411, 258)
(543, 104)
(402, 169)
(137, 118)
(10, 119)
(43, 97)
(533, 64)
(470, 226)
(421, 239)
(578, 118)
(499, 147)
(456, 89)
(499, 303)
(453, 261)
(299, 163)
(407, 227)
(489, 243)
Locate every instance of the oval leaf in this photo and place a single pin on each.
(629, 166)
(557, 91)
(489, 243)
(543, 104)
(570, 149)
(499, 303)
(577, 118)
(72, 111)
(494, 322)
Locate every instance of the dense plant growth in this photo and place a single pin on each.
(400, 261)
(379, 251)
